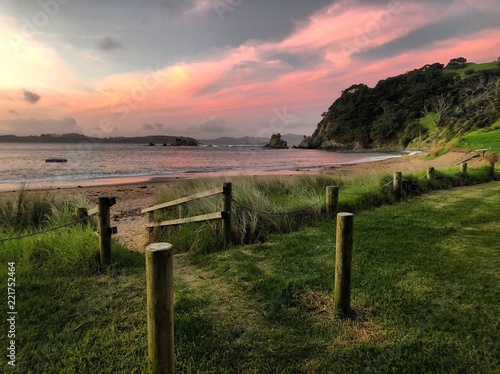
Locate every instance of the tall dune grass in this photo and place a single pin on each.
(69, 250)
(25, 217)
(30, 210)
(276, 204)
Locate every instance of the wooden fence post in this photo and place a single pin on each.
(160, 307)
(398, 185)
(431, 173)
(226, 208)
(332, 200)
(343, 257)
(463, 168)
(105, 230)
(492, 170)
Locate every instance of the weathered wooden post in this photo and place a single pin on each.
(492, 170)
(431, 173)
(332, 200)
(343, 258)
(398, 185)
(105, 229)
(160, 307)
(463, 168)
(227, 191)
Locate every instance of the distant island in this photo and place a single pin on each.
(292, 139)
(147, 140)
(79, 138)
(434, 106)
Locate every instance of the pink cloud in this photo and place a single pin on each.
(246, 84)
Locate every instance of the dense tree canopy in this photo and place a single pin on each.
(391, 113)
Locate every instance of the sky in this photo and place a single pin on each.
(211, 68)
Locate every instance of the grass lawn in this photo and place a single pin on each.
(426, 297)
(482, 139)
(475, 67)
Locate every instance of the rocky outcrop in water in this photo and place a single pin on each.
(276, 142)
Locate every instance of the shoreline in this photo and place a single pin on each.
(115, 181)
(133, 195)
(412, 162)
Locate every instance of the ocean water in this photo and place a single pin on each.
(25, 163)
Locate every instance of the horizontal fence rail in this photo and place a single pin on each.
(183, 200)
(224, 214)
(200, 218)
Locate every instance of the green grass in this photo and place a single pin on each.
(482, 139)
(429, 122)
(475, 67)
(256, 198)
(425, 294)
(31, 210)
(66, 304)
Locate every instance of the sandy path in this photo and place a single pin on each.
(126, 214)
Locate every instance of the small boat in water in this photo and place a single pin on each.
(56, 160)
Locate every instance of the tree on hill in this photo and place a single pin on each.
(457, 63)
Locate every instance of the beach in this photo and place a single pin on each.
(135, 194)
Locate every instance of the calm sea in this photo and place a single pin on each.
(25, 163)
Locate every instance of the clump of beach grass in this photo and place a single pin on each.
(32, 209)
(39, 229)
(260, 206)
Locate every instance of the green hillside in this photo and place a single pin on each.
(473, 67)
(481, 139)
(424, 107)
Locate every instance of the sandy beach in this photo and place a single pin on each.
(134, 194)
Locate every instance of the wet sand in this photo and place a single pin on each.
(134, 194)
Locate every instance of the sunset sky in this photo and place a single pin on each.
(210, 68)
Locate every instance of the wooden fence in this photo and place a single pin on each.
(105, 231)
(225, 214)
(159, 263)
(332, 202)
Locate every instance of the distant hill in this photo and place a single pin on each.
(291, 139)
(423, 107)
(79, 138)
